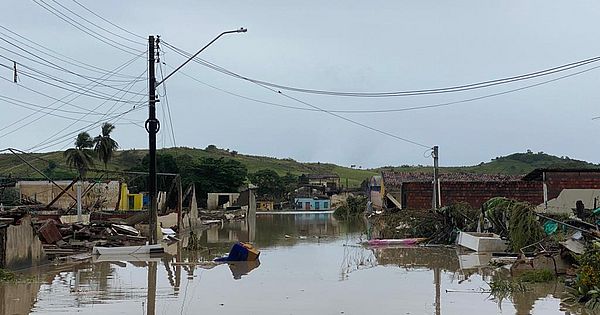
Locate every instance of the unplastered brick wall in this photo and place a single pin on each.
(418, 195)
(557, 181)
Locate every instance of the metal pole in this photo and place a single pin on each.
(436, 201)
(152, 126)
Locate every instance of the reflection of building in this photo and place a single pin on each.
(18, 298)
(315, 203)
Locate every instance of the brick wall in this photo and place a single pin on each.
(557, 181)
(418, 195)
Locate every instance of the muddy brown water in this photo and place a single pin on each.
(309, 264)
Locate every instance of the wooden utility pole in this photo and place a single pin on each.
(152, 126)
(436, 180)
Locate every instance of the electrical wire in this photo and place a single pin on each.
(86, 29)
(99, 120)
(451, 89)
(347, 119)
(164, 86)
(107, 21)
(393, 110)
(96, 25)
(76, 95)
(53, 54)
(50, 64)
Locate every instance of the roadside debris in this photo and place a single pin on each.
(240, 251)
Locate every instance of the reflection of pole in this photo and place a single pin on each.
(178, 267)
(436, 279)
(151, 298)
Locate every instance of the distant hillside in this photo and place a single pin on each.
(54, 163)
(514, 164)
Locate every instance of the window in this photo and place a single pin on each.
(325, 205)
(317, 203)
(307, 205)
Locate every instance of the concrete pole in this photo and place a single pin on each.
(435, 199)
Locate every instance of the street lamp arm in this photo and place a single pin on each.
(241, 30)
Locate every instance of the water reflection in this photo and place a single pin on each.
(310, 264)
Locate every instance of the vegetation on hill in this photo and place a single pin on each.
(513, 164)
(53, 164)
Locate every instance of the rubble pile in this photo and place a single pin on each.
(66, 239)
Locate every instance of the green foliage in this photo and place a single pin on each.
(7, 276)
(586, 287)
(502, 289)
(80, 157)
(461, 216)
(9, 196)
(211, 175)
(515, 220)
(524, 227)
(271, 185)
(353, 207)
(104, 145)
(538, 276)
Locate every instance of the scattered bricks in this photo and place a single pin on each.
(49, 232)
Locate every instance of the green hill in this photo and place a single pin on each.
(513, 164)
(53, 164)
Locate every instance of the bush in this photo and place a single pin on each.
(353, 206)
(586, 287)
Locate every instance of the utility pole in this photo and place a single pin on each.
(152, 126)
(436, 180)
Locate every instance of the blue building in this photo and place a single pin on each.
(313, 203)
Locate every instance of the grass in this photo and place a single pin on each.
(537, 276)
(514, 164)
(7, 276)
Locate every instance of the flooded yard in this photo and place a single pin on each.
(309, 264)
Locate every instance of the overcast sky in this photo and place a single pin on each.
(329, 45)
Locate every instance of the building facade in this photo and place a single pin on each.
(312, 203)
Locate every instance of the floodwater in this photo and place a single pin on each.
(309, 264)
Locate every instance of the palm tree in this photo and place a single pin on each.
(80, 157)
(104, 145)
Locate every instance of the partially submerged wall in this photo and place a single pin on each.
(20, 247)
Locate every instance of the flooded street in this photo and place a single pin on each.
(309, 264)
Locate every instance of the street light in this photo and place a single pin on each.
(241, 30)
(153, 125)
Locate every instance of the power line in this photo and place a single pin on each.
(164, 86)
(97, 95)
(76, 95)
(96, 25)
(451, 89)
(110, 109)
(51, 64)
(86, 29)
(346, 119)
(53, 54)
(107, 21)
(392, 110)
